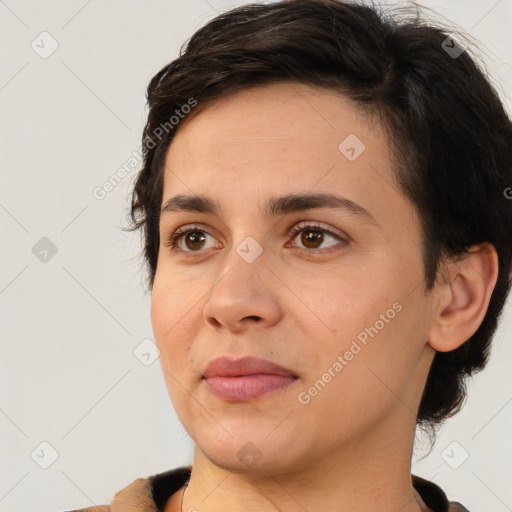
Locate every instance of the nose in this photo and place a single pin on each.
(245, 295)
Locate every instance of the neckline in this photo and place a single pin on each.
(164, 485)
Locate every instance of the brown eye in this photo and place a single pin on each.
(189, 240)
(194, 240)
(312, 238)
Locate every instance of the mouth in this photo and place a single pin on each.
(245, 379)
(249, 387)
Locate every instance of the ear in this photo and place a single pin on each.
(462, 297)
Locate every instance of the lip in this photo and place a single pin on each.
(225, 367)
(245, 379)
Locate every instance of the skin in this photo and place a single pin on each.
(350, 447)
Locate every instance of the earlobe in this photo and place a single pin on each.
(463, 297)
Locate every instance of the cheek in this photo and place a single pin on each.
(174, 318)
(366, 318)
(333, 307)
(174, 299)
(164, 309)
(172, 332)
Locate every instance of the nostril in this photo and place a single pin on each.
(215, 322)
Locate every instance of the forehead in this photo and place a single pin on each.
(281, 138)
(284, 120)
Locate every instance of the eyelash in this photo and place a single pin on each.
(173, 240)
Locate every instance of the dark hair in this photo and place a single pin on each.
(450, 135)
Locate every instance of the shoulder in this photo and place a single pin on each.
(145, 494)
(136, 497)
(457, 507)
(434, 497)
(97, 508)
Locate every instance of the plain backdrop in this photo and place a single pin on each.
(78, 396)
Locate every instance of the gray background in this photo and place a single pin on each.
(70, 321)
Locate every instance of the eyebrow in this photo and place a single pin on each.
(273, 207)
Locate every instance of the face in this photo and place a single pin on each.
(329, 289)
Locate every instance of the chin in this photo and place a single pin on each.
(254, 454)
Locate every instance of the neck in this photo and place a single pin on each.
(364, 474)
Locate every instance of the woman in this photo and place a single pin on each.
(327, 234)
